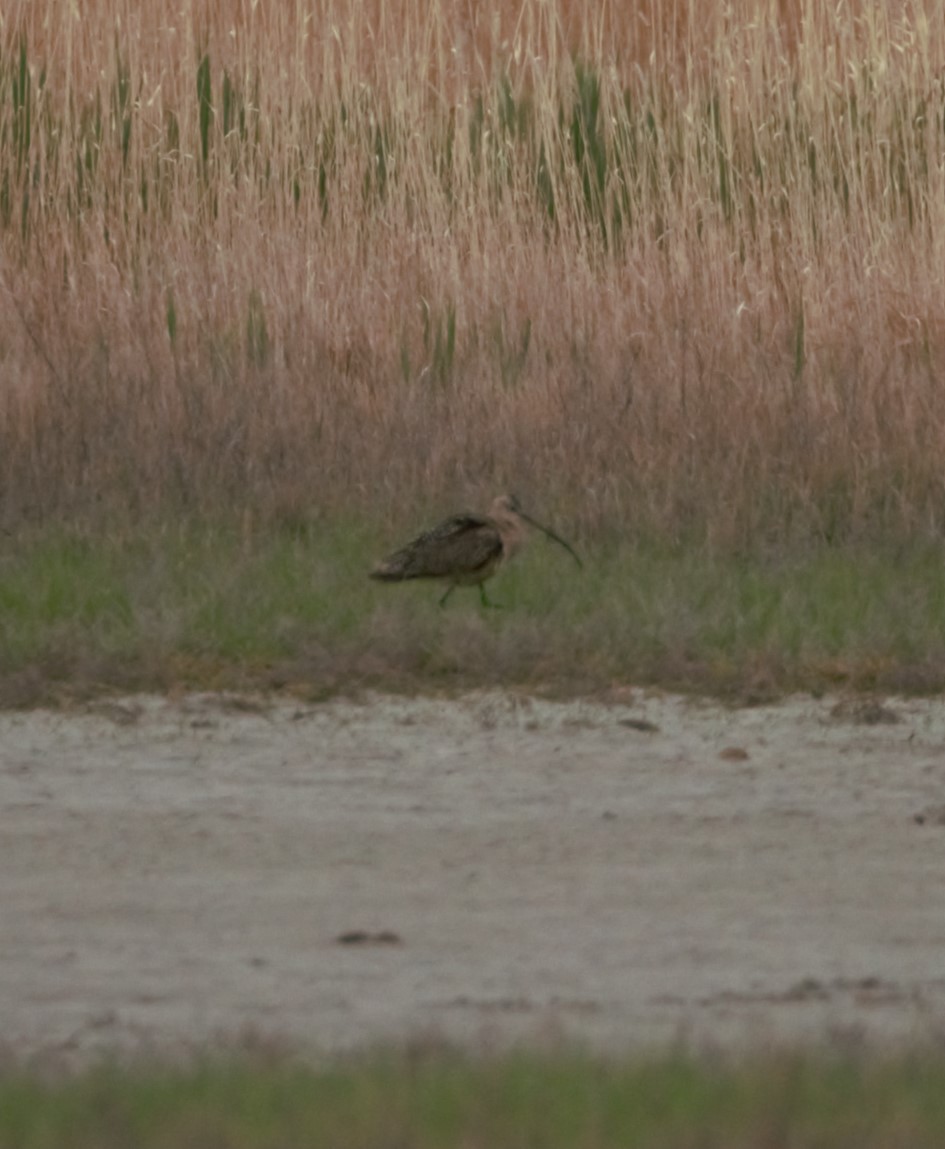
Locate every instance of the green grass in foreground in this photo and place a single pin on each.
(516, 1101)
(211, 607)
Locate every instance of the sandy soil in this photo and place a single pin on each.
(177, 874)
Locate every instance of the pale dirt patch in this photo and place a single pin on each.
(178, 874)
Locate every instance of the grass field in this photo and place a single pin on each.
(515, 1101)
(671, 273)
(169, 605)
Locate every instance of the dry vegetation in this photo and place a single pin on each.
(676, 266)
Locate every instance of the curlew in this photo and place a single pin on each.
(466, 549)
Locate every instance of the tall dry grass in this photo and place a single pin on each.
(667, 267)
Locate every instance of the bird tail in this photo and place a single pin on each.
(389, 571)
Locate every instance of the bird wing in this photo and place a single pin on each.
(460, 545)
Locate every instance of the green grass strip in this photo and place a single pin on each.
(514, 1101)
(210, 606)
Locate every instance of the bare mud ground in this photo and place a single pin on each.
(177, 875)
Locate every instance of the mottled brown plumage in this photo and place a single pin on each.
(466, 549)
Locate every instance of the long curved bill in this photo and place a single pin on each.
(551, 535)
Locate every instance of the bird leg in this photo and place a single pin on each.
(485, 600)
